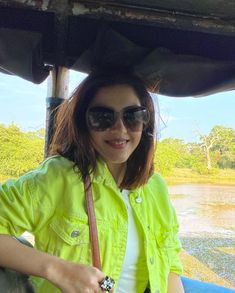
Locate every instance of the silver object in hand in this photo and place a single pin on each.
(107, 283)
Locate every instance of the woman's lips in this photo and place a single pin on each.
(117, 143)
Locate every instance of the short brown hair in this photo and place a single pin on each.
(71, 139)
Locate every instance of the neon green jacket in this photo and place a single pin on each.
(49, 202)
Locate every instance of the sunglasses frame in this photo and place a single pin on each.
(120, 114)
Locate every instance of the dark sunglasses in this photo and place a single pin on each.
(133, 117)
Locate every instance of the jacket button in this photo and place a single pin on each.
(151, 260)
(75, 233)
(138, 199)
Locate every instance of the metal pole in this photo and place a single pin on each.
(57, 92)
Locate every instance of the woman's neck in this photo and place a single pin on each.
(117, 171)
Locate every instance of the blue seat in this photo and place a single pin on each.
(195, 286)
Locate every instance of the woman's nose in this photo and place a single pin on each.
(119, 124)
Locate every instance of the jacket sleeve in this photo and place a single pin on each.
(16, 207)
(175, 247)
(168, 237)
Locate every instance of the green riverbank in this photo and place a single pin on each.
(218, 176)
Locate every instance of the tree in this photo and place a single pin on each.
(220, 139)
(20, 151)
(195, 158)
(207, 142)
(215, 150)
(224, 146)
(168, 153)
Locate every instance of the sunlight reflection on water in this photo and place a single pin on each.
(205, 209)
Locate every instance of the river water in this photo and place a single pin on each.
(205, 209)
(206, 214)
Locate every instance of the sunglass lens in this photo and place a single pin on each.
(100, 118)
(135, 118)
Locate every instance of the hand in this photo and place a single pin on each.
(75, 278)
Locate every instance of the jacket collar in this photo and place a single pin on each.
(102, 175)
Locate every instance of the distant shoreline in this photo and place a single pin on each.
(219, 176)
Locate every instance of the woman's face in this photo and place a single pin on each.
(117, 143)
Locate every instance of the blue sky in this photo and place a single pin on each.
(23, 103)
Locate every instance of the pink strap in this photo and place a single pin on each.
(92, 224)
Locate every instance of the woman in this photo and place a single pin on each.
(106, 129)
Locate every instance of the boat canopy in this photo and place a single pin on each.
(180, 48)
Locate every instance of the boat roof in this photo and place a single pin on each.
(180, 48)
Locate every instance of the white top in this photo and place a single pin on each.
(134, 266)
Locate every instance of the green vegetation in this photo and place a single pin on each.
(180, 175)
(212, 160)
(20, 151)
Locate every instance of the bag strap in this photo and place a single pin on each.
(92, 224)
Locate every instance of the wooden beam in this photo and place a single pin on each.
(188, 16)
(57, 91)
(189, 21)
